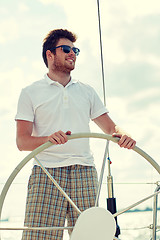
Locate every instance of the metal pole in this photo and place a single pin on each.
(101, 174)
(155, 201)
(135, 204)
(111, 200)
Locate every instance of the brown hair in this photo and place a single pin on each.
(52, 39)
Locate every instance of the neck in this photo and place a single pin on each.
(60, 77)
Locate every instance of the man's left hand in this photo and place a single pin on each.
(125, 141)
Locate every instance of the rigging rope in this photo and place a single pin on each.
(101, 50)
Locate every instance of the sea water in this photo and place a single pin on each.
(134, 226)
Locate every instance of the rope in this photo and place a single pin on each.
(136, 228)
(101, 50)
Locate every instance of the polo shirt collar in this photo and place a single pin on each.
(51, 82)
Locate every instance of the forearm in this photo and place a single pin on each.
(29, 143)
(109, 127)
(106, 124)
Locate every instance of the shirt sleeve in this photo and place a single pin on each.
(25, 109)
(97, 107)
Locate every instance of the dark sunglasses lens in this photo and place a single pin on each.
(66, 49)
(75, 50)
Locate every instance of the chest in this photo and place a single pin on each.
(61, 103)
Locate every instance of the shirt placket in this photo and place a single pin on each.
(65, 98)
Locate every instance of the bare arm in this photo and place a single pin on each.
(105, 123)
(109, 127)
(27, 142)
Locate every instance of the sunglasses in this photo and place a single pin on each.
(67, 49)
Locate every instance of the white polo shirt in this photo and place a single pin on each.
(52, 107)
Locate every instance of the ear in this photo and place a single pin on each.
(49, 55)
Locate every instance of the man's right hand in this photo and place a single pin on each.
(59, 137)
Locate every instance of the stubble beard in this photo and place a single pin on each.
(58, 66)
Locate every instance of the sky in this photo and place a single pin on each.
(130, 37)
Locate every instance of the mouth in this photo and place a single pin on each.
(71, 60)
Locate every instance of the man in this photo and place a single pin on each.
(48, 110)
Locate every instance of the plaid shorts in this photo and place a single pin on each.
(47, 207)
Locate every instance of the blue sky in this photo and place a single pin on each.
(130, 35)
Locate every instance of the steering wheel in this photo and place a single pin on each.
(70, 137)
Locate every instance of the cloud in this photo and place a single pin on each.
(11, 83)
(3, 11)
(145, 99)
(46, 2)
(129, 10)
(139, 34)
(80, 15)
(22, 7)
(131, 77)
(9, 30)
(148, 58)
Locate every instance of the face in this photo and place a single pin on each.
(64, 62)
